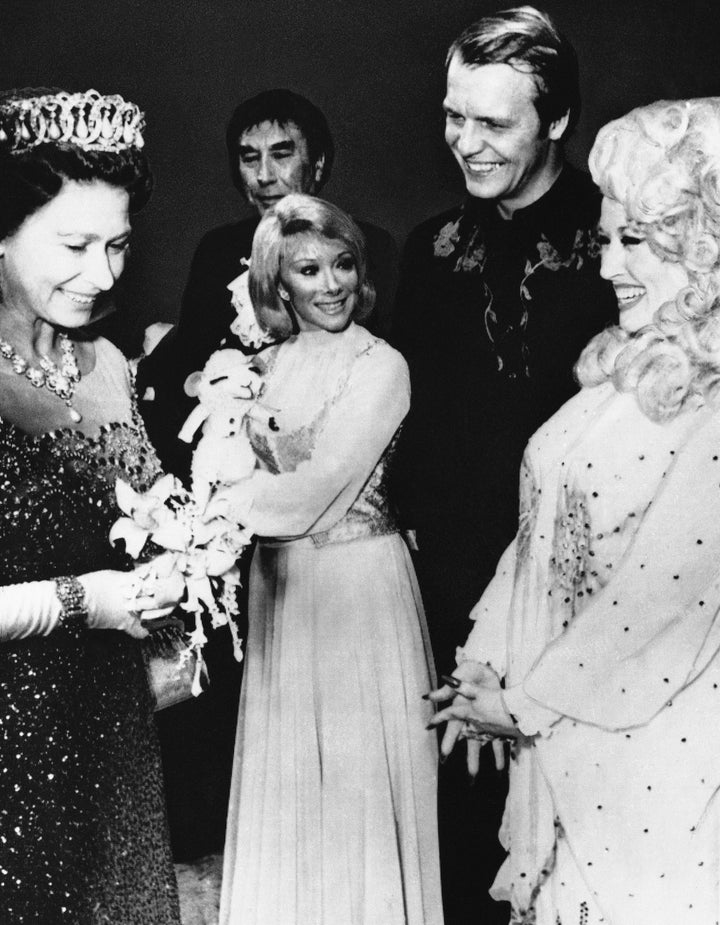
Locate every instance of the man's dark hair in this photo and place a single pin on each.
(281, 106)
(528, 41)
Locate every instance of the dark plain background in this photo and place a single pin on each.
(376, 69)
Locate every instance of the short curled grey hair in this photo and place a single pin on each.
(661, 162)
(298, 215)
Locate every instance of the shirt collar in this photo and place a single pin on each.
(551, 214)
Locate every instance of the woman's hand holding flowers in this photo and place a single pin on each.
(121, 600)
(198, 562)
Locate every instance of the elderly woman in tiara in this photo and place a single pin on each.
(602, 620)
(83, 834)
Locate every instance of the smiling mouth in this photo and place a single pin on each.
(332, 308)
(80, 299)
(628, 295)
(483, 168)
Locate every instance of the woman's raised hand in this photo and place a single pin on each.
(476, 712)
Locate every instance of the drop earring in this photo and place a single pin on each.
(288, 306)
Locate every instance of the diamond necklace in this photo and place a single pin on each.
(60, 380)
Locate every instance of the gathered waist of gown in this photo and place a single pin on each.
(340, 533)
(370, 515)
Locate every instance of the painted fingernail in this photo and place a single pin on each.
(451, 680)
(426, 696)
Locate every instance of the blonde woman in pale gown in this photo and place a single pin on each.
(602, 619)
(332, 810)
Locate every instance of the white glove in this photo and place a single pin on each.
(114, 601)
(33, 609)
(28, 609)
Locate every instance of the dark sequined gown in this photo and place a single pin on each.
(83, 833)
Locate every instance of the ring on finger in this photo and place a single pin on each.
(469, 731)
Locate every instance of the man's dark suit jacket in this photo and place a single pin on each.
(491, 316)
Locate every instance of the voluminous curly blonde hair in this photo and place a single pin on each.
(662, 164)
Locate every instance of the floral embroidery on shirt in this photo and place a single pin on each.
(551, 259)
(446, 239)
(463, 241)
(472, 256)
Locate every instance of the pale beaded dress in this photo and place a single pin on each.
(332, 809)
(83, 832)
(603, 619)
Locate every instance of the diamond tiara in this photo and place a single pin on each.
(87, 120)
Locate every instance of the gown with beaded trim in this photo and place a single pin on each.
(603, 619)
(83, 832)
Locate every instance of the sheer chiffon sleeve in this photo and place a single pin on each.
(654, 627)
(357, 426)
(487, 641)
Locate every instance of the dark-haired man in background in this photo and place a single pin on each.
(496, 300)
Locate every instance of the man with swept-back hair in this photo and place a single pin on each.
(497, 298)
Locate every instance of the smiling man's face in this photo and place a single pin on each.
(494, 131)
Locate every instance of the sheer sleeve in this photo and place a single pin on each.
(487, 641)
(654, 627)
(359, 424)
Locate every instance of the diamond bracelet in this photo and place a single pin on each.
(71, 594)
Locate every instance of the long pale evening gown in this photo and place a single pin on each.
(603, 619)
(332, 810)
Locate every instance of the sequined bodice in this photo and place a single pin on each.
(81, 802)
(371, 514)
(325, 456)
(58, 497)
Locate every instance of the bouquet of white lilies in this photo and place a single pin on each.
(188, 535)
(203, 548)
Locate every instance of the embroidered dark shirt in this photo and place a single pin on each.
(492, 315)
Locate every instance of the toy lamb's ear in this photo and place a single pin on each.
(258, 365)
(192, 384)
